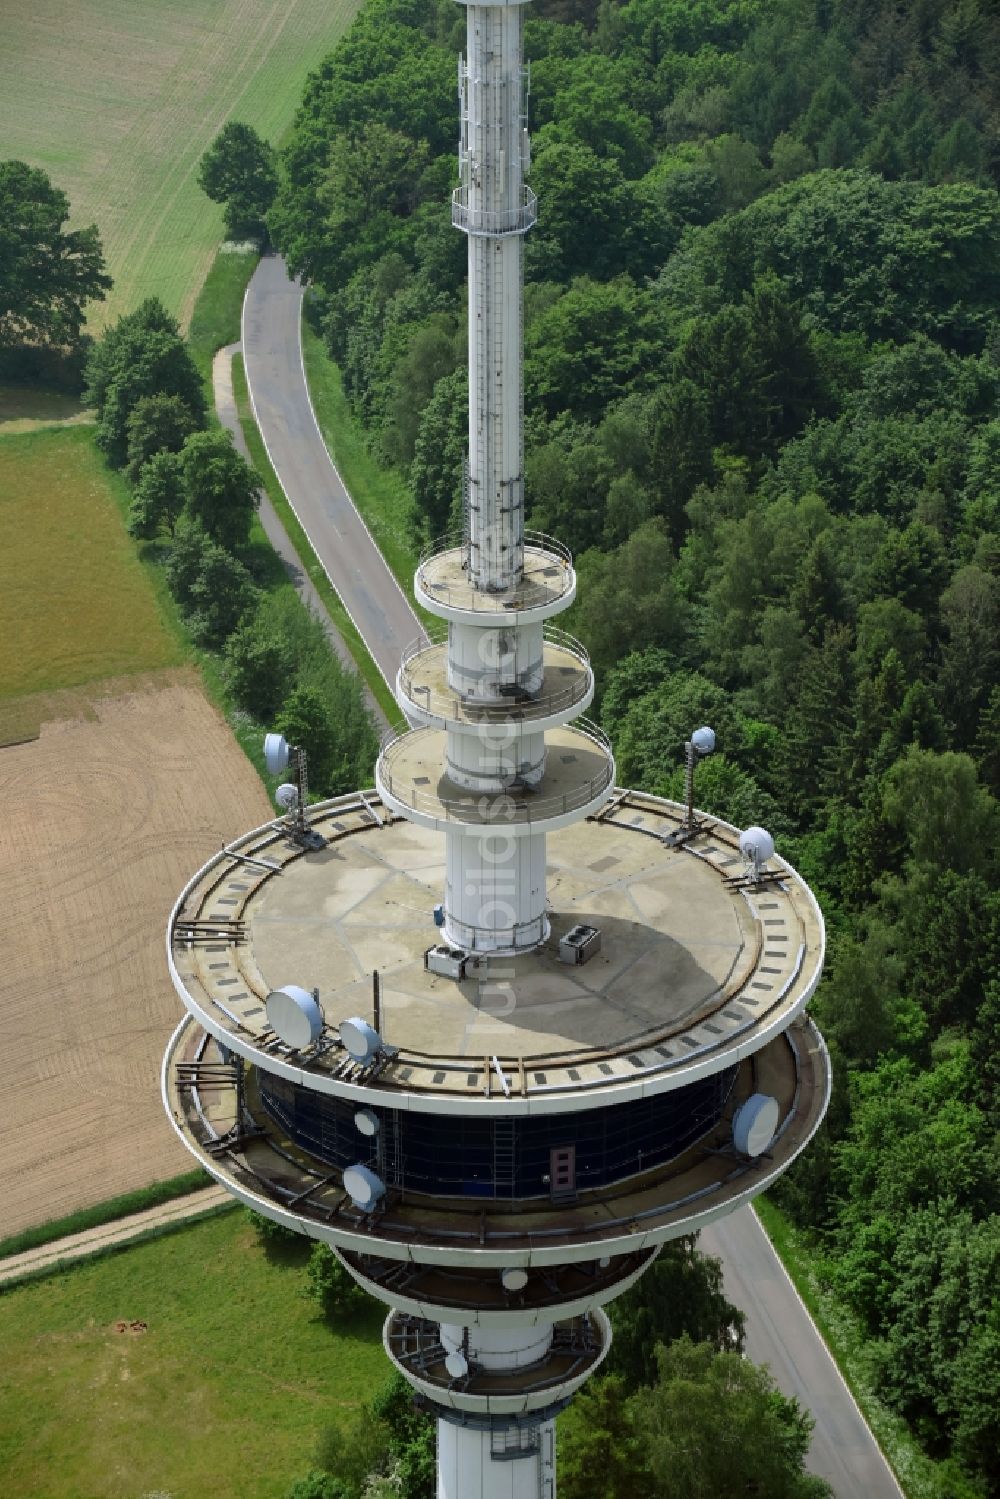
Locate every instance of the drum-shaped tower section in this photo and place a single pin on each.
(495, 1029)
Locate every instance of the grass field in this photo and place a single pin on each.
(223, 1394)
(118, 101)
(75, 605)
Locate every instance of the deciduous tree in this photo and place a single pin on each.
(48, 273)
(239, 170)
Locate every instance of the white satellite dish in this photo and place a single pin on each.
(366, 1122)
(275, 753)
(361, 1041)
(287, 796)
(364, 1186)
(294, 1015)
(756, 846)
(703, 740)
(754, 1124)
(457, 1365)
(514, 1280)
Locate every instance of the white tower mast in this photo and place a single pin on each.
(503, 678)
(532, 1108)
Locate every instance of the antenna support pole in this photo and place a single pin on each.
(302, 833)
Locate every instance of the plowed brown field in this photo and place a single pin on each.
(104, 817)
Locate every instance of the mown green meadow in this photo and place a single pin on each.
(76, 605)
(224, 1392)
(118, 102)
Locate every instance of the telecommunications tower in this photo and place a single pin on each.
(496, 1029)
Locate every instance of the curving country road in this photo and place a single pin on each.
(272, 359)
(780, 1332)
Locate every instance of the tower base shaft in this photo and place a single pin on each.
(502, 1463)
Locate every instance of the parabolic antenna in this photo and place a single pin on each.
(754, 1124)
(361, 1041)
(364, 1187)
(514, 1280)
(287, 796)
(366, 1122)
(275, 753)
(294, 1016)
(703, 740)
(756, 846)
(457, 1365)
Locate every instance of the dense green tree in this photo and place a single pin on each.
(596, 223)
(567, 481)
(308, 720)
(336, 1290)
(317, 1485)
(214, 590)
(946, 818)
(680, 1294)
(714, 1423)
(258, 666)
(158, 423)
(239, 170)
(158, 498)
(48, 273)
(221, 490)
(600, 1451)
(439, 453)
(140, 355)
(836, 240)
(970, 654)
(628, 598)
(711, 1423)
(594, 343)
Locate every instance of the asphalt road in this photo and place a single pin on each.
(780, 1332)
(272, 358)
(225, 407)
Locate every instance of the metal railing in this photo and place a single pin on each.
(448, 703)
(538, 548)
(514, 803)
(493, 223)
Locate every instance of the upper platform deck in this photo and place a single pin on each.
(444, 584)
(696, 970)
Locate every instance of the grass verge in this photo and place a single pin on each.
(223, 1388)
(105, 1212)
(215, 320)
(919, 1476)
(369, 671)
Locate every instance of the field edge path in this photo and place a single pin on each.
(65, 1251)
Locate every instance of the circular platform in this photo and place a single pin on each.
(578, 775)
(696, 967)
(567, 686)
(444, 585)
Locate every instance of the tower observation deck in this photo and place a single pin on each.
(496, 1029)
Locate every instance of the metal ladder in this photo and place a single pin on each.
(504, 1152)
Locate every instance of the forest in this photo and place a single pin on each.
(762, 372)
